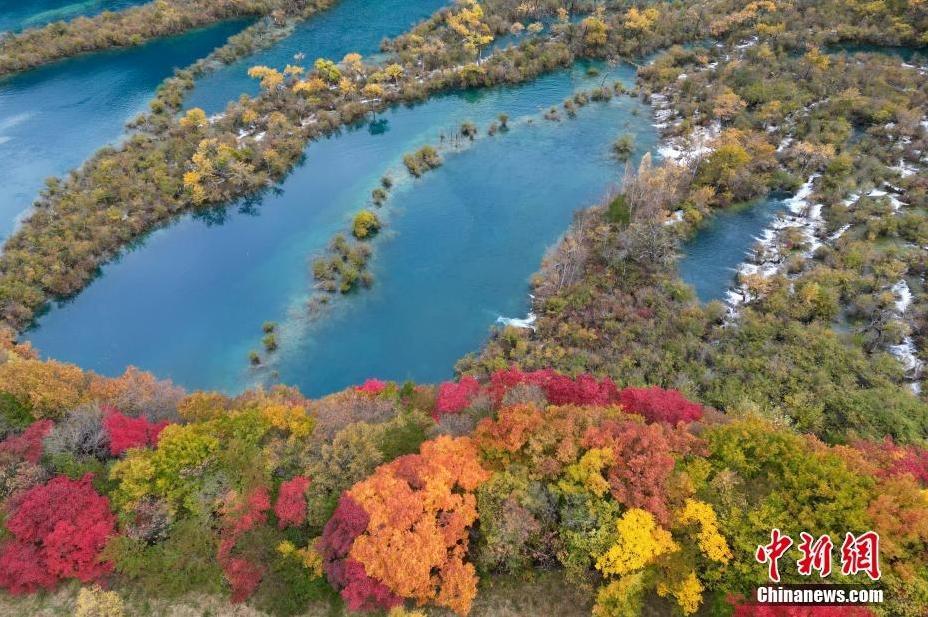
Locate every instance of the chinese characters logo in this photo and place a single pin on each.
(859, 554)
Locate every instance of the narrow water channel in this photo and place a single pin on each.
(711, 258)
(53, 118)
(349, 26)
(19, 14)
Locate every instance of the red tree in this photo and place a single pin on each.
(27, 446)
(291, 502)
(360, 591)
(60, 528)
(559, 389)
(243, 575)
(372, 387)
(125, 432)
(892, 459)
(454, 397)
(659, 405)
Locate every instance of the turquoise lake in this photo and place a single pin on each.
(55, 117)
(349, 26)
(19, 14)
(459, 248)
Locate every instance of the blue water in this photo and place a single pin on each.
(19, 14)
(349, 26)
(54, 117)
(460, 246)
(712, 255)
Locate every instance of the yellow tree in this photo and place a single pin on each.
(727, 105)
(469, 24)
(595, 32)
(353, 63)
(270, 78)
(194, 119)
(373, 93)
(327, 70)
(640, 21)
(394, 72)
(346, 86)
(292, 70)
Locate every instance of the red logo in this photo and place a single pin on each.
(859, 554)
(771, 553)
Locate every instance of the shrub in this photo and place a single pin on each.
(454, 397)
(365, 224)
(659, 405)
(125, 432)
(291, 502)
(423, 160)
(243, 575)
(372, 387)
(60, 529)
(26, 446)
(80, 434)
(95, 602)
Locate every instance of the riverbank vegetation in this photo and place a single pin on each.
(389, 496)
(422, 160)
(134, 26)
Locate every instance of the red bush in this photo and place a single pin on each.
(125, 432)
(348, 577)
(646, 459)
(22, 568)
(243, 575)
(348, 521)
(584, 390)
(291, 502)
(362, 593)
(60, 528)
(559, 389)
(895, 460)
(659, 405)
(454, 397)
(27, 446)
(372, 387)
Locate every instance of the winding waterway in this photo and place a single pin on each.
(349, 26)
(54, 117)
(460, 246)
(18, 14)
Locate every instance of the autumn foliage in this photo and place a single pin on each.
(372, 387)
(453, 397)
(242, 516)
(290, 508)
(26, 446)
(892, 459)
(559, 389)
(360, 591)
(58, 531)
(659, 405)
(632, 493)
(406, 529)
(125, 432)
